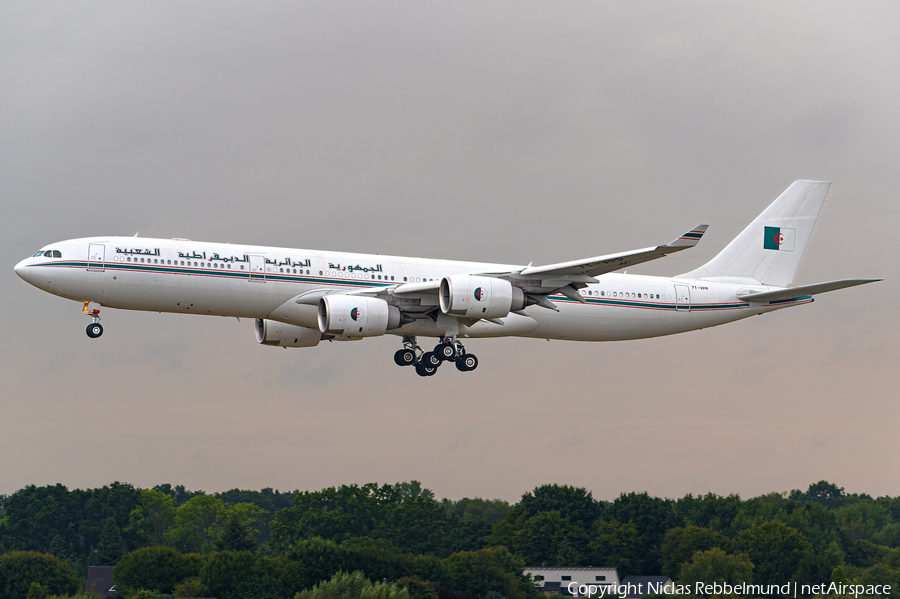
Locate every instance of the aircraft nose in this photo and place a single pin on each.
(22, 269)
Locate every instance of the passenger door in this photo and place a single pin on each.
(258, 268)
(96, 256)
(682, 297)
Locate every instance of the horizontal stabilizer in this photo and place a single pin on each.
(803, 290)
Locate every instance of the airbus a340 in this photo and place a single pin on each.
(299, 298)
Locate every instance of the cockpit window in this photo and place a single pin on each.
(57, 254)
(50, 254)
(40, 253)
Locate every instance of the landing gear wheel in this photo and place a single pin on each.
(431, 359)
(94, 330)
(424, 370)
(467, 362)
(405, 357)
(446, 352)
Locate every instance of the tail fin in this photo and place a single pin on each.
(769, 250)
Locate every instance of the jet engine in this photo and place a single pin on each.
(358, 316)
(479, 297)
(272, 332)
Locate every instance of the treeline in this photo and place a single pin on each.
(262, 544)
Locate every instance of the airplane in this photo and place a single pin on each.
(299, 298)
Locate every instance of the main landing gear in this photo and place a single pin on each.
(95, 329)
(427, 363)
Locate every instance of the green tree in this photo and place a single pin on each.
(775, 550)
(862, 520)
(824, 493)
(417, 588)
(246, 575)
(353, 586)
(152, 517)
(487, 572)
(200, 522)
(681, 543)
(375, 558)
(156, 569)
(813, 569)
(115, 501)
(619, 544)
(36, 591)
(881, 574)
(652, 516)
(716, 566)
(190, 587)
(404, 514)
(237, 535)
(574, 503)
(111, 547)
(864, 553)
(543, 537)
(19, 569)
(709, 511)
(476, 509)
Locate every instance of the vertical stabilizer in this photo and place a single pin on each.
(769, 250)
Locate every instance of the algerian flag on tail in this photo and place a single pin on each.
(778, 238)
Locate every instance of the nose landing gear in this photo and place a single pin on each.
(95, 329)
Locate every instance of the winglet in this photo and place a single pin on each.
(689, 239)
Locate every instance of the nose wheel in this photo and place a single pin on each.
(95, 329)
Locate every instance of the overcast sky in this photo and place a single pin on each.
(505, 132)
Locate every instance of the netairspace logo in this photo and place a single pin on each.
(718, 588)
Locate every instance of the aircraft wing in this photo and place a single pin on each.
(803, 290)
(599, 265)
(537, 281)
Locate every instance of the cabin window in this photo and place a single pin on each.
(598, 578)
(392, 278)
(320, 273)
(229, 267)
(404, 279)
(242, 267)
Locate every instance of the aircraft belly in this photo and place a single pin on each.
(200, 295)
(592, 322)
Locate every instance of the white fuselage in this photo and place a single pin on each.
(167, 275)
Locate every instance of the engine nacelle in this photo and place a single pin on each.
(272, 332)
(357, 316)
(479, 297)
